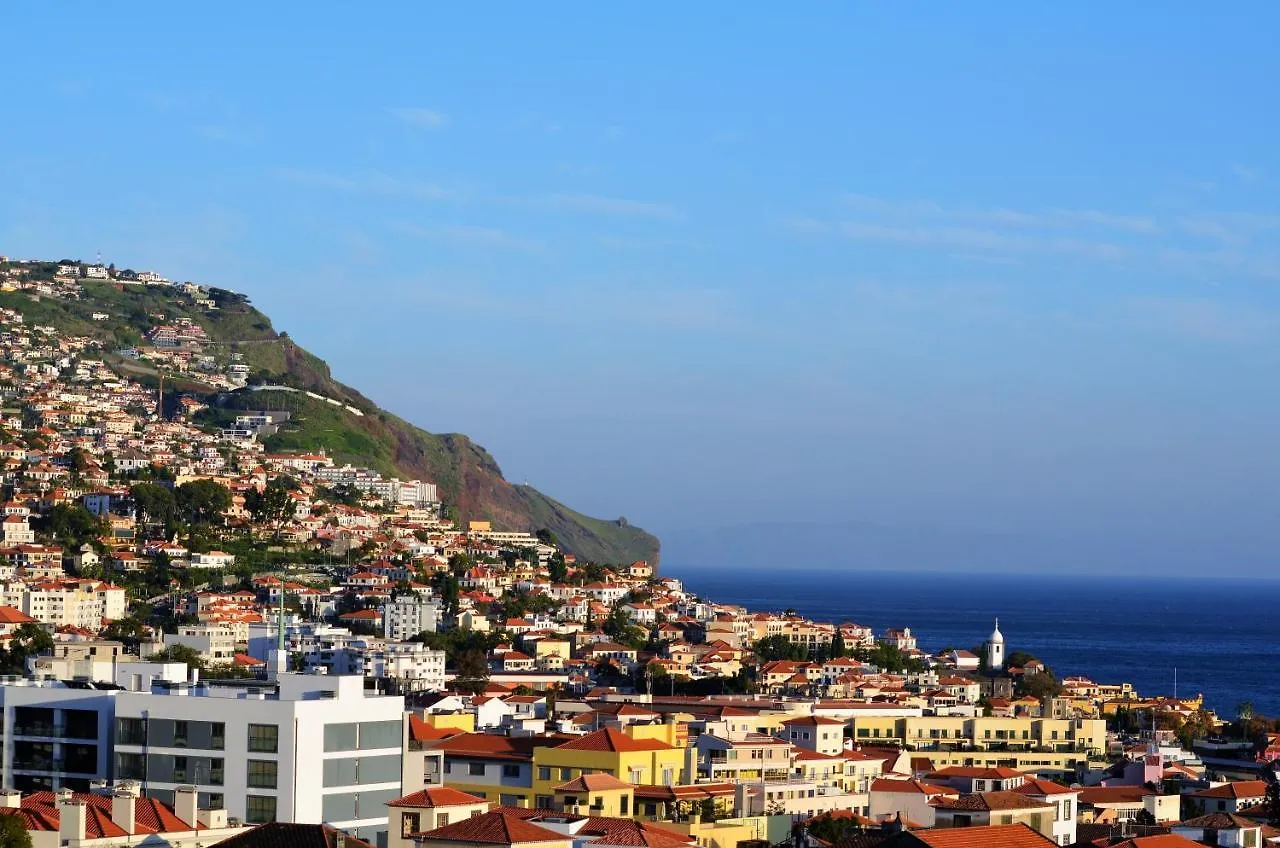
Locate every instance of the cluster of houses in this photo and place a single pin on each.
(348, 710)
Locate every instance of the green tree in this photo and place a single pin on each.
(13, 831)
(28, 640)
(837, 645)
(130, 631)
(559, 572)
(472, 672)
(154, 504)
(202, 502)
(70, 525)
(779, 648)
(179, 653)
(272, 506)
(1043, 684)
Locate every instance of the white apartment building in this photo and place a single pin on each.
(77, 603)
(55, 735)
(304, 748)
(415, 666)
(407, 616)
(215, 643)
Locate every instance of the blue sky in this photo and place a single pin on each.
(708, 264)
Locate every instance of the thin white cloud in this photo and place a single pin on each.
(1202, 320)
(1052, 219)
(1246, 174)
(418, 116)
(490, 238)
(374, 183)
(592, 204)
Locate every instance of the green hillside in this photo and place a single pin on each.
(470, 480)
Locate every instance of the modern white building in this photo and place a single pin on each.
(57, 735)
(409, 615)
(304, 748)
(215, 643)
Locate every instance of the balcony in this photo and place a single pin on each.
(46, 731)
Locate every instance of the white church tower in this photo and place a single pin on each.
(995, 650)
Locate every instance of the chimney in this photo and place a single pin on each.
(73, 820)
(124, 811)
(339, 840)
(10, 799)
(212, 819)
(185, 806)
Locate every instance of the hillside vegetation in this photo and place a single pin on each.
(470, 480)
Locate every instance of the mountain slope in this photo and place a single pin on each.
(469, 478)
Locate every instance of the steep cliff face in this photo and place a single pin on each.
(469, 478)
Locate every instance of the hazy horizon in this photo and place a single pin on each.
(1002, 278)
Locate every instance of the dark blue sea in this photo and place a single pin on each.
(1222, 636)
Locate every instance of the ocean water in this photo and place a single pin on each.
(1221, 636)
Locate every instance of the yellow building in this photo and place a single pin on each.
(596, 795)
(525, 771)
(634, 756)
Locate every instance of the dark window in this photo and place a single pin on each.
(180, 730)
(32, 721)
(259, 808)
(511, 770)
(179, 769)
(410, 823)
(262, 774)
(131, 731)
(264, 738)
(81, 724)
(475, 768)
(218, 736)
(131, 766)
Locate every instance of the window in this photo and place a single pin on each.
(264, 738)
(217, 735)
(566, 774)
(180, 729)
(259, 809)
(509, 800)
(131, 731)
(131, 766)
(380, 734)
(341, 737)
(511, 770)
(179, 769)
(442, 819)
(343, 772)
(410, 823)
(544, 773)
(262, 774)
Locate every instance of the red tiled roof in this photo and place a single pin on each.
(495, 828)
(914, 787)
(1000, 836)
(608, 739)
(987, 801)
(1234, 790)
(436, 796)
(592, 783)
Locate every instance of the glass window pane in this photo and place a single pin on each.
(264, 738)
(380, 769)
(259, 808)
(343, 772)
(340, 737)
(340, 806)
(379, 734)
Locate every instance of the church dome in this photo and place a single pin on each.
(996, 635)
